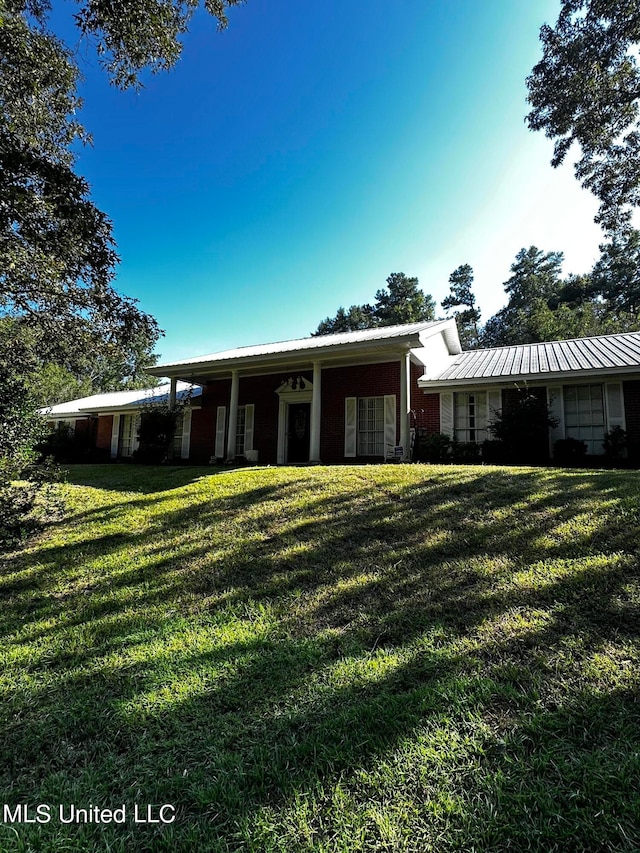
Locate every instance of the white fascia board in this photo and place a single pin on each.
(543, 378)
(449, 332)
(300, 359)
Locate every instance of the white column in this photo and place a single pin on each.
(405, 402)
(172, 393)
(233, 417)
(314, 440)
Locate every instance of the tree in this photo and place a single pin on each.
(57, 253)
(527, 317)
(461, 294)
(586, 90)
(357, 317)
(616, 274)
(401, 301)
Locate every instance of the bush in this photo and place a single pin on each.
(431, 447)
(615, 444)
(570, 452)
(26, 496)
(65, 446)
(493, 451)
(157, 428)
(523, 427)
(465, 452)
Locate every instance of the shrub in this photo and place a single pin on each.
(64, 446)
(26, 496)
(615, 444)
(156, 431)
(570, 452)
(493, 451)
(431, 447)
(523, 427)
(465, 452)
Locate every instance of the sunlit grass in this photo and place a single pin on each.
(330, 659)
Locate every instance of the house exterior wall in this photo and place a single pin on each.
(203, 420)
(103, 432)
(261, 392)
(425, 407)
(366, 380)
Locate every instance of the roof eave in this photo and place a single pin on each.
(543, 376)
(301, 358)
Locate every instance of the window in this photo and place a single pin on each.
(241, 424)
(584, 415)
(470, 416)
(130, 425)
(371, 426)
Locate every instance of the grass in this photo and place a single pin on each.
(383, 658)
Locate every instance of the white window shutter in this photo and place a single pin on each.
(615, 405)
(556, 409)
(115, 435)
(248, 426)
(446, 413)
(494, 407)
(390, 423)
(221, 419)
(186, 433)
(481, 410)
(350, 426)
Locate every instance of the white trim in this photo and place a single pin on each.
(233, 416)
(316, 405)
(302, 393)
(548, 378)
(405, 404)
(249, 418)
(186, 433)
(390, 434)
(115, 435)
(446, 413)
(350, 427)
(614, 405)
(221, 417)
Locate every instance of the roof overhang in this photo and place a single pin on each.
(540, 378)
(333, 356)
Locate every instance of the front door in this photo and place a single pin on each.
(298, 432)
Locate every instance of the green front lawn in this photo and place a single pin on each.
(328, 659)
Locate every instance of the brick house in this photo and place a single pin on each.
(358, 396)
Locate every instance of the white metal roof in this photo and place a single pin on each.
(602, 353)
(118, 400)
(325, 343)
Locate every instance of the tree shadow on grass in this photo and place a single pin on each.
(479, 633)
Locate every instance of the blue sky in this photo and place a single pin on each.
(288, 165)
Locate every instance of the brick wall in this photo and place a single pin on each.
(426, 407)
(261, 391)
(367, 380)
(203, 420)
(103, 432)
(632, 417)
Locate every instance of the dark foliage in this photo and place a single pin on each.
(523, 427)
(401, 301)
(569, 452)
(156, 432)
(586, 90)
(431, 447)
